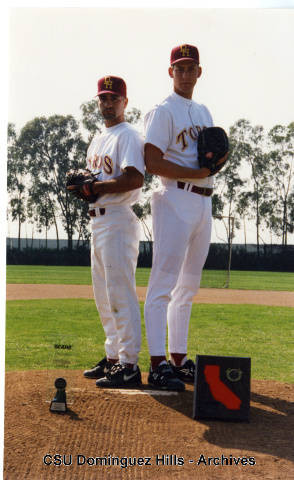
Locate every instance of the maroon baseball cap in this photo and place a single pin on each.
(110, 84)
(184, 52)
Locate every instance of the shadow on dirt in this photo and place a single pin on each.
(73, 415)
(269, 431)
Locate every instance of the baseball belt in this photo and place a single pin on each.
(93, 213)
(207, 192)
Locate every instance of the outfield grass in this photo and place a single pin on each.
(246, 280)
(33, 327)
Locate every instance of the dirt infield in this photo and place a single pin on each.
(104, 429)
(109, 424)
(205, 295)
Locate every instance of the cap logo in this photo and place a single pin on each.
(108, 83)
(185, 51)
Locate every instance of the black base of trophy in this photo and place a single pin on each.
(58, 404)
(222, 388)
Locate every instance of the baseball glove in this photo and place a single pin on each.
(214, 140)
(82, 180)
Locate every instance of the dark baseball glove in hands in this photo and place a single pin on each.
(80, 183)
(213, 147)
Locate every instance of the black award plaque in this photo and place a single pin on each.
(58, 404)
(222, 388)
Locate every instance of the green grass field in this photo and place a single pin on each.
(34, 327)
(247, 280)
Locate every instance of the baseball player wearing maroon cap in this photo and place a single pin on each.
(116, 157)
(181, 216)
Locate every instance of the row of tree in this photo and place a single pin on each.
(257, 182)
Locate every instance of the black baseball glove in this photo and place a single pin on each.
(214, 140)
(81, 181)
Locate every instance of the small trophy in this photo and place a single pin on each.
(58, 404)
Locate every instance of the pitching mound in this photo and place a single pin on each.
(138, 435)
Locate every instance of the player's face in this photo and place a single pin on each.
(185, 75)
(112, 108)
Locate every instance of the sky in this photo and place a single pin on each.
(246, 57)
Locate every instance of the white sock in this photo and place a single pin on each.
(184, 360)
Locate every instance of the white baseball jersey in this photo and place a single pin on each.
(173, 127)
(109, 154)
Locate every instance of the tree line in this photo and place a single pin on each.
(256, 183)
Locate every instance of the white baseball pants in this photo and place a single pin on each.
(114, 252)
(181, 231)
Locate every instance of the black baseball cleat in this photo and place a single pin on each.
(164, 378)
(100, 370)
(186, 372)
(120, 376)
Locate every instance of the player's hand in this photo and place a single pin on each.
(223, 159)
(202, 172)
(205, 172)
(95, 187)
(80, 183)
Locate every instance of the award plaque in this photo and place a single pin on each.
(222, 388)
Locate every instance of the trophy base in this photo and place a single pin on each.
(58, 407)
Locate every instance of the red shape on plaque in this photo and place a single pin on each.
(219, 390)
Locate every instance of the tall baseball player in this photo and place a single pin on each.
(116, 156)
(181, 213)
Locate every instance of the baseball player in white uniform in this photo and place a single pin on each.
(181, 215)
(116, 156)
